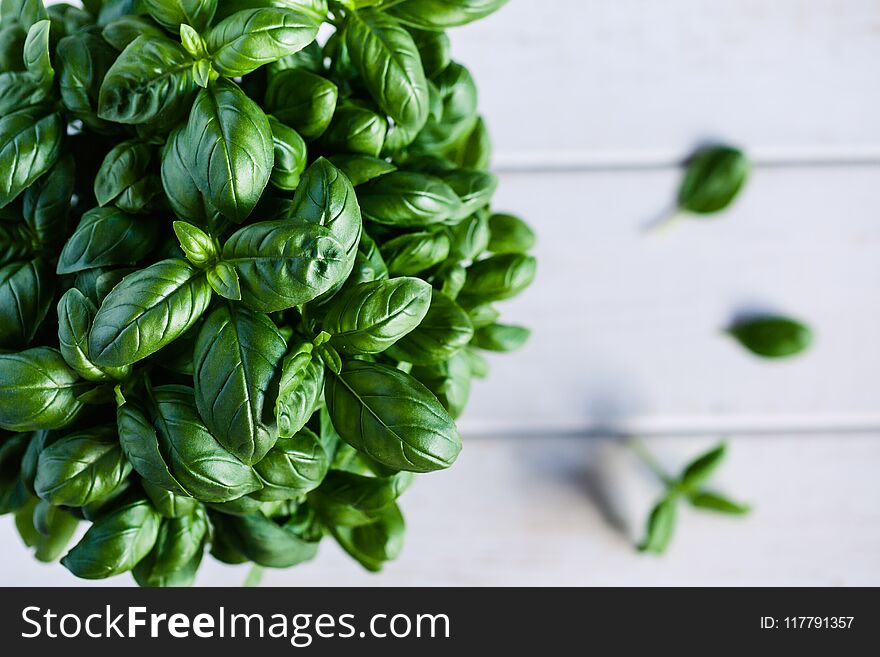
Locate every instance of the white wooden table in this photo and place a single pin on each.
(591, 105)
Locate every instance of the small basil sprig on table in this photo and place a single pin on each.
(245, 278)
(689, 486)
(772, 336)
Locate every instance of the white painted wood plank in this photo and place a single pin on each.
(628, 326)
(575, 82)
(525, 512)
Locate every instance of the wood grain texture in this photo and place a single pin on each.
(567, 511)
(569, 83)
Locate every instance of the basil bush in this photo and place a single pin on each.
(246, 275)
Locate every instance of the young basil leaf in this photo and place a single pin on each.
(661, 526)
(206, 470)
(408, 199)
(198, 246)
(450, 381)
(115, 543)
(391, 417)
(170, 14)
(716, 502)
(123, 31)
(386, 57)
(444, 331)
(290, 156)
(509, 234)
(46, 203)
(83, 62)
(146, 311)
(303, 100)
(501, 337)
(81, 468)
(470, 237)
(26, 290)
(499, 277)
(348, 499)
(107, 236)
(177, 553)
(263, 541)
(701, 468)
(300, 388)
(355, 129)
(231, 140)
(413, 253)
(169, 504)
(370, 317)
(223, 279)
(250, 38)
(773, 337)
(293, 467)
(282, 264)
(361, 168)
(75, 316)
(123, 166)
(237, 364)
(374, 544)
(442, 14)
(30, 143)
(150, 82)
(713, 179)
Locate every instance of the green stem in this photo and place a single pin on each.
(254, 576)
(638, 448)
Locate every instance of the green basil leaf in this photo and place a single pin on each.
(223, 279)
(187, 202)
(499, 277)
(197, 245)
(413, 253)
(26, 290)
(300, 388)
(701, 468)
(46, 203)
(14, 494)
(16, 243)
(713, 179)
(105, 237)
(282, 264)
(773, 337)
(445, 330)
(146, 311)
(115, 543)
(370, 317)
(355, 129)
(237, 364)
(450, 381)
(124, 165)
(140, 444)
(83, 62)
(374, 544)
(474, 188)
(716, 502)
(470, 237)
(361, 168)
(169, 504)
(387, 59)
(509, 234)
(293, 467)
(474, 150)
(263, 541)
(250, 38)
(434, 50)
(177, 553)
(408, 199)
(661, 526)
(205, 469)
(81, 468)
(443, 14)
(150, 82)
(349, 499)
(501, 337)
(56, 528)
(30, 142)
(391, 417)
(170, 14)
(75, 316)
(123, 31)
(37, 59)
(303, 100)
(290, 156)
(25, 12)
(457, 100)
(231, 140)
(310, 58)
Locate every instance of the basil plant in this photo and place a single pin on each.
(246, 275)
